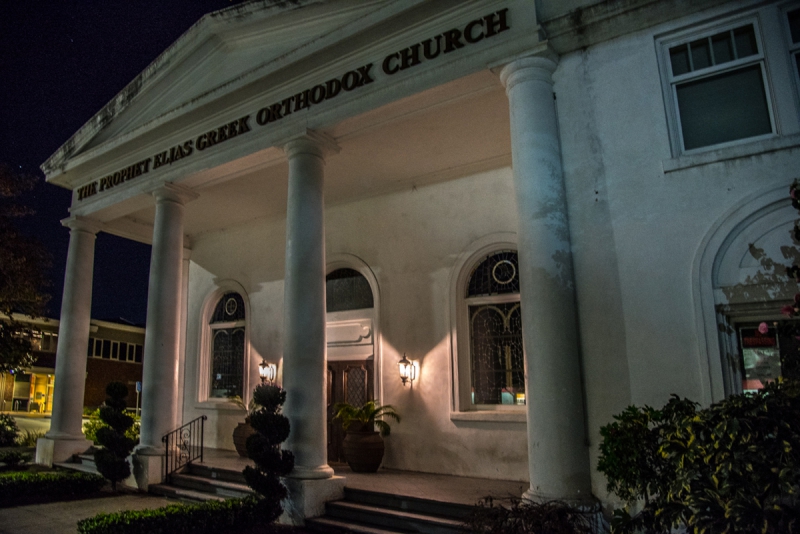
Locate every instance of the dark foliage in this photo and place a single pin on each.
(112, 459)
(26, 487)
(515, 516)
(211, 517)
(733, 467)
(264, 448)
(23, 272)
(13, 459)
(8, 430)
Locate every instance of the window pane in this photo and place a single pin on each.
(114, 350)
(229, 308)
(794, 25)
(123, 352)
(723, 48)
(679, 56)
(106, 349)
(745, 38)
(701, 54)
(722, 108)
(498, 274)
(138, 354)
(497, 358)
(90, 347)
(347, 289)
(761, 359)
(227, 366)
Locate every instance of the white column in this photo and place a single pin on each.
(65, 436)
(304, 347)
(557, 451)
(162, 334)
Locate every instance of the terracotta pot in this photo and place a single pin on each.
(363, 450)
(240, 435)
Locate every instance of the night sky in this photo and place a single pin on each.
(60, 62)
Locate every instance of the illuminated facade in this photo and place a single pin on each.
(329, 186)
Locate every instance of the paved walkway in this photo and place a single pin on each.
(63, 517)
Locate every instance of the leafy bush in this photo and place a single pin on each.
(28, 438)
(524, 517)
(367, 416)
(8, 430)
(264, 448)
(28, 487)
(733, 467)
(112, 459)
(94, 424)
(209, 517)
(14, 458)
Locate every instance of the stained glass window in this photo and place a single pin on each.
(347, 289)
(227, 360)
(497, 274)
(497, 359)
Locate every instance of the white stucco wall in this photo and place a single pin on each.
(637, 231)
(411, 241)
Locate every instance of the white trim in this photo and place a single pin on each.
(459, 329)
(351, 261)
(204, 353)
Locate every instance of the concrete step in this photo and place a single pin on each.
(393, 519)
(214, 473)
(211, 486)
(75, 466)
(326, 524)
(409, 504)
(86, 459)
(183, 494)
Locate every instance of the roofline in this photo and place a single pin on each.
(183, 44)
(95, 323)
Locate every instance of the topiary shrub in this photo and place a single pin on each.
(94, 424)
(733, 467)
(8, 430)
(264, 448)
(112, 459)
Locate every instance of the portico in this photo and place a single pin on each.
(367, 144)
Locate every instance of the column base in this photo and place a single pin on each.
(146, 469)
(307, 498)
(55, 450)
(311, 473)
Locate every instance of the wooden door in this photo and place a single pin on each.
(348, 381)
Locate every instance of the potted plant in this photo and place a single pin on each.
(363, 446)
(242, 430)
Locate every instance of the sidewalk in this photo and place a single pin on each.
(63, 517)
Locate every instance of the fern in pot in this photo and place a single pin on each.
(363, 446)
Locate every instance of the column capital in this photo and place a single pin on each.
(173, 193)
(83, 224)
(310, 142)
(536, 67)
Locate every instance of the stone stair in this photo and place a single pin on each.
(80, 462)
(198, 483)
(370, 512)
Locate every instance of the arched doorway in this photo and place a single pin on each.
(350, 328)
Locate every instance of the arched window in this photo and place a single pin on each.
(497, 361)
(227, 344)
(347, 289)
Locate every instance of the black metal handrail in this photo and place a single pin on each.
(183, 446)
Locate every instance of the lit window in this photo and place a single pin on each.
(227, 343)
(497, 368)
(761, 355)
(718, 87)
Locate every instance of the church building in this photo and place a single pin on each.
(553, 209)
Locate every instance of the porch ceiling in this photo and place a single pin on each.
(450, 131)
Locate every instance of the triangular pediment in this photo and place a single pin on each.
(222, 51)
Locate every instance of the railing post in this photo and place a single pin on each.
(172, 459)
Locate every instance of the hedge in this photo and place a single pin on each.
(232, 515)
(27, 487)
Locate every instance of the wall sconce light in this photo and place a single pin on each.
(408, 370)
(267, 371)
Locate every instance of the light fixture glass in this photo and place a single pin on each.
(408, 370)
(267, 371)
